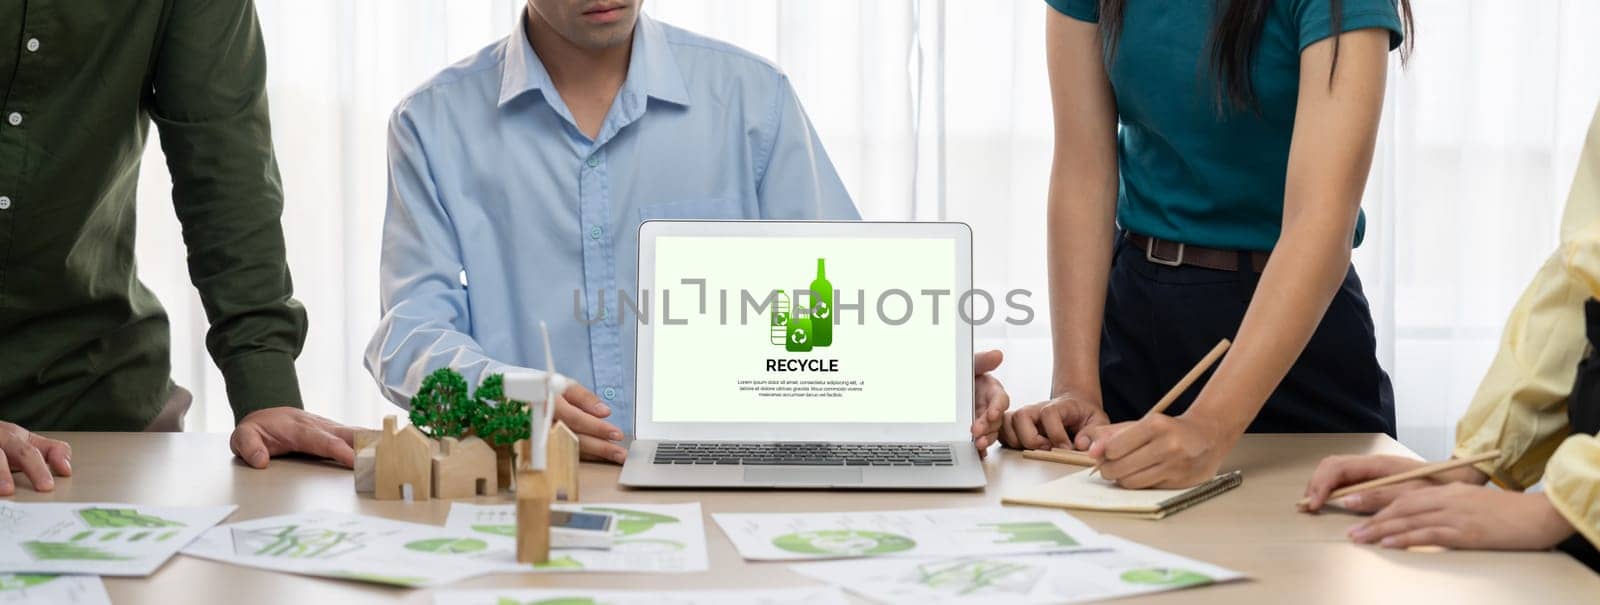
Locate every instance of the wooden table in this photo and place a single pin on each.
(1291, 557)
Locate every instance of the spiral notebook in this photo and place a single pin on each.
(1080, 491)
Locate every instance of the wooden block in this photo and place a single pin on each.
(464, 468)
(404, 462)
(534, 497)
(366, 467)
(519, 460)
(562, 460)
(366, 438)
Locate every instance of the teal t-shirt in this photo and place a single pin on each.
(1189, 173)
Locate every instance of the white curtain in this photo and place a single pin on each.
(939, 109)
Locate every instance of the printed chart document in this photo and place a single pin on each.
(353, 547)
(1127, 569)
(649, 537)
(808, 595)
(912, 533)
(17, 589)
(99, 539)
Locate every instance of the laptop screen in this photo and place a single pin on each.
(804, 329)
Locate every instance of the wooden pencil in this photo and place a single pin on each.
(1064, 456)
(1416, 473)
(1177, 390)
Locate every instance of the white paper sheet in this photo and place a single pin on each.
(17, 589)
(649, 537)
(911, 533)
(353, 547)
(806, 595)
(1127, 569)
(97, 538)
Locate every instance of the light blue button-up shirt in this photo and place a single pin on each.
(502, 213)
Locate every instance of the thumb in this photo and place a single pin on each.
(248, 446)
(987, 361)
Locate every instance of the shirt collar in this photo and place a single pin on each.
(652, 70)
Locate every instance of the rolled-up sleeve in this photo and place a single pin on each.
(210, 106)
(1521, 406)
(426, 319)
(1572, 482)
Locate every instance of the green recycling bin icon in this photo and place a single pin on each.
(802, 325)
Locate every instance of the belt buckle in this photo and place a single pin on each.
(1150, 254)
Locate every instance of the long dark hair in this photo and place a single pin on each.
(1234, 36)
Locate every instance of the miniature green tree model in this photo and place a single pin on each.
(499, 421)
(442, 407)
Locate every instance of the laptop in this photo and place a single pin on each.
(804, 355)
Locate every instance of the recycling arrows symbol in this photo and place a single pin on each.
(799, 336)
(820, 309)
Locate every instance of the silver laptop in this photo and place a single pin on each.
(804, 355)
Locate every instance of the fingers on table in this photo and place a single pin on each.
(1375, 499)
(1026, 423)
(1335, 472)
(249, 446)
(601, 449)
(57, 454)
(22, 455)
(1417, 527)
(584, 423)
(325, 443)
(1054, 429)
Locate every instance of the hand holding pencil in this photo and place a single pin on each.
(1160, 451)
(1337, 479)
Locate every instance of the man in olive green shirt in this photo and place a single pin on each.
(83, 344)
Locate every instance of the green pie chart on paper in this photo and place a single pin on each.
(843, 542)
(1164, 576)
(448, 546)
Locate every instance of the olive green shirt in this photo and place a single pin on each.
(83, 344)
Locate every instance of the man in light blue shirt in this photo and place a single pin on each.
(519, 176)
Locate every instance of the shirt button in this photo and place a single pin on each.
(5, 203)
(33, 45)
(594, 160)
(610, 393)
(595, 232)
(15, 119)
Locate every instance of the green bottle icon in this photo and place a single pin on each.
(797, 333)
(821, 308)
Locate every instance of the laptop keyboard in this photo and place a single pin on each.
(805, 454)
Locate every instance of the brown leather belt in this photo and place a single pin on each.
(1175, 254)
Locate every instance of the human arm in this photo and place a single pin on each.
(795, 179)
(426, 317)
(209, 103)
(1330, 154)
(1080, 223)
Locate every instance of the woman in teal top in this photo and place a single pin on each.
(1225, 206)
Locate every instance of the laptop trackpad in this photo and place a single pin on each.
(802, 476)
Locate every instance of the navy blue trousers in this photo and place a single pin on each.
(1160, 320)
